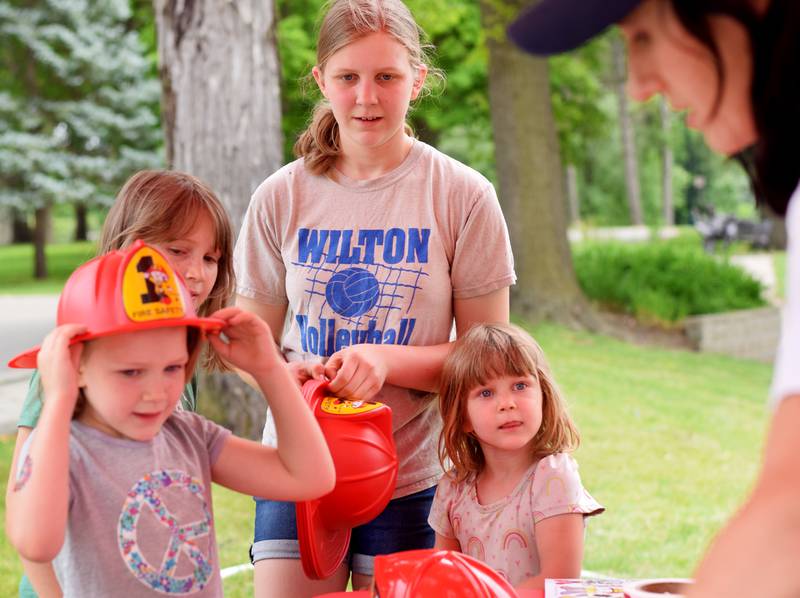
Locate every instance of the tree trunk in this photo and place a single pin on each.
(222, 121)
(81, 222)
(40, 234)
(530, 176)
(696, 165)
(20, 230)
(573, 201)
(221, 108)
(628, 135)
(666, 169)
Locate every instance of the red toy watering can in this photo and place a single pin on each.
(359, 436)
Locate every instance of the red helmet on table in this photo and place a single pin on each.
(435, 573)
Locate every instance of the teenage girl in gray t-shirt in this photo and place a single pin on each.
(361, 256)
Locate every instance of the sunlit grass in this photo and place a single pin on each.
(670, 445)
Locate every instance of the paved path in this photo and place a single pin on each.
(760, 266)
(24, 321)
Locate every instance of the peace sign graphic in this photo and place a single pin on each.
(146, 492)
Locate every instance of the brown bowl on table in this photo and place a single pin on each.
(657, 588)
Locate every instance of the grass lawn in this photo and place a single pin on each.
(670, 446)
(16, 267)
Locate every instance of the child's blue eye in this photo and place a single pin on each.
(130, 373)
(520, 386)
(486, 393)
(348, 77)
(385, 77)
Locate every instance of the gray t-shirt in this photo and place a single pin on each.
(376, 261)
(140, 516)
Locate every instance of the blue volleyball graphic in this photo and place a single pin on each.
(352, 292)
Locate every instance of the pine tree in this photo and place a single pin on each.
(78, 105)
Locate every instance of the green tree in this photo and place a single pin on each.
(530, 176)
(297, 25)
(581, 108)
(455, 116)
(78, 105)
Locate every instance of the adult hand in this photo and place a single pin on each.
(249, 344)
(58, 363)
(357, 372)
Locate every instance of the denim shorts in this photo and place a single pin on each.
(403, 525)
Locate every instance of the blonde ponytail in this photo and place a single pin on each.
(319, 143)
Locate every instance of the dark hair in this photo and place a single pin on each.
(772, 163)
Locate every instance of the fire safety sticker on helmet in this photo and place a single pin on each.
(337, 406)
(149, 289)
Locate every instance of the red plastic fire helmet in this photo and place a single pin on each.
(359, 436)
(435, 573)
(123, 291)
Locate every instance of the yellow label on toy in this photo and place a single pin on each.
(338, 406)
(150, 288)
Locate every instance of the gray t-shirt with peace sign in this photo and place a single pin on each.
(140, 519)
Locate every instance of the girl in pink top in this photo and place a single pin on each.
(513, 497)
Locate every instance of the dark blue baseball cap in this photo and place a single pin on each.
(555, 26)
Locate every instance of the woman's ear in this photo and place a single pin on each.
(320, 79)
(419, 81)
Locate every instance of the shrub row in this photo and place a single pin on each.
(662, 282)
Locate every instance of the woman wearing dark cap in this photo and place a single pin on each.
(734, 67)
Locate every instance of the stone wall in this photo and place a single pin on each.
(747, 333)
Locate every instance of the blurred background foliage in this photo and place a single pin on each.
(79, 112)
(79, 108)
(455, 117)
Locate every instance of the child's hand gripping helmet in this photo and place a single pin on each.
(123, 291)
(359, 436)
(435, 573)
